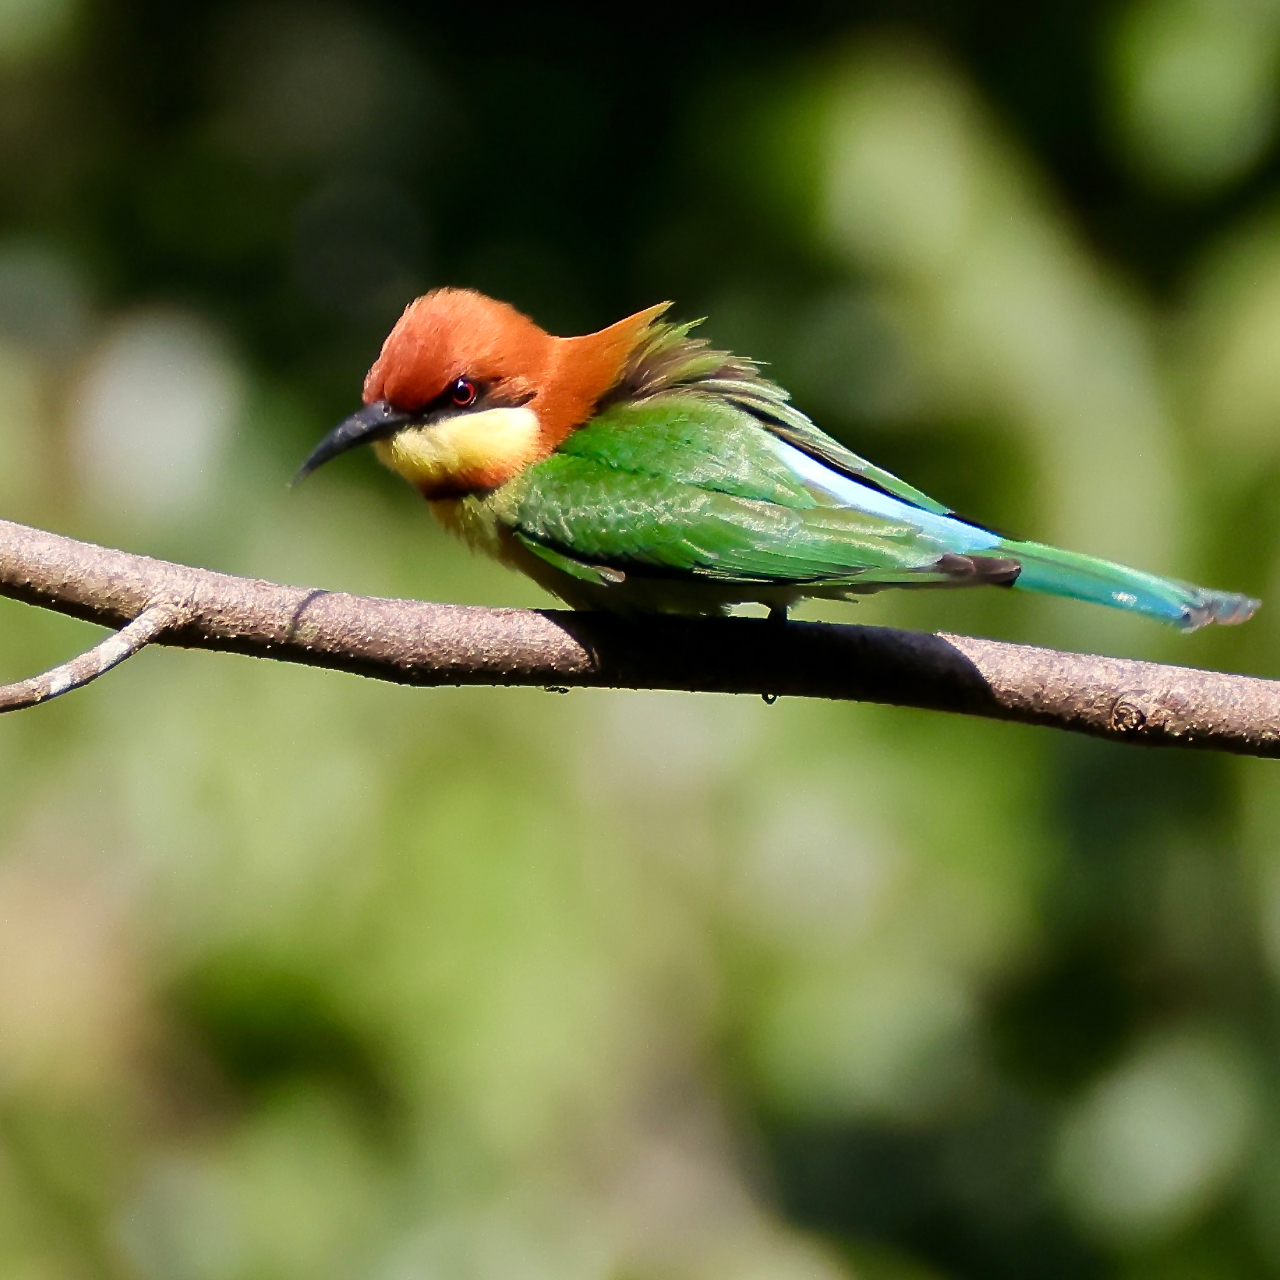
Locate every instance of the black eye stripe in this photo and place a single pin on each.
(482, 395)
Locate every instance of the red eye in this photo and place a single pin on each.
(463, 393)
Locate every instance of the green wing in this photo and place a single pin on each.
(669, 358)
(687, 484)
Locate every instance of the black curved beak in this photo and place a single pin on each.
(374, 422)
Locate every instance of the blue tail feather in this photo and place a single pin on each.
(1079, 577)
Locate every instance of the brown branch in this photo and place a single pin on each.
(434, 644)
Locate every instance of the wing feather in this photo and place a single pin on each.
(694, 485)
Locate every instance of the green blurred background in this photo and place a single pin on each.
(303, 977)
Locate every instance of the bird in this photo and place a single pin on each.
(639, 470)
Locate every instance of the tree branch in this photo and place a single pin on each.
(409, 642)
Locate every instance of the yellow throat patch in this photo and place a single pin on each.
(467, 451)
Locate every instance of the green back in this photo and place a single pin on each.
(668, 359)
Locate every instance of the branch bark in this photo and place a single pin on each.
(413, 643)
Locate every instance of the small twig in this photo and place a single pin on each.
(410, 642)
(108, 653)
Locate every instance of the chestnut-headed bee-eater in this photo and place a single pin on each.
(638, 470)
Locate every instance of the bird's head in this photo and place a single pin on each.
(467, 392)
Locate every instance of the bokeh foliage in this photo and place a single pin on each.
(306, 977)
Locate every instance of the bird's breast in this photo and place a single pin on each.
(467, 453)
(484, 523)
